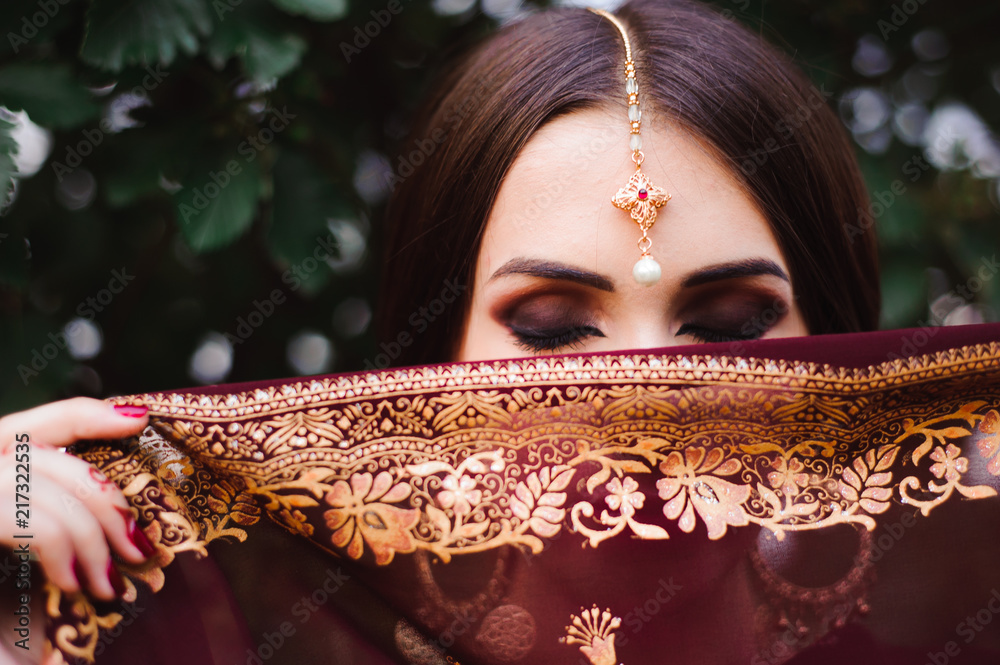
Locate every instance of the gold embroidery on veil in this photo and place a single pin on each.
(594, 631)
(379, 465)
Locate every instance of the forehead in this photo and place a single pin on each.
(555, 201)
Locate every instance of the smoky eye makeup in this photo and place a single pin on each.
(543, 323)
(739, 313)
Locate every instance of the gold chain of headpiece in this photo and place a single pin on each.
(631, 88)
(639, 197)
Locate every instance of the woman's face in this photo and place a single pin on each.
(554, 272)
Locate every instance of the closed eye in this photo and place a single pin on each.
(546, 340)
(709, 335)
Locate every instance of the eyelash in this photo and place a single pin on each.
(709, 335)
(540, 341)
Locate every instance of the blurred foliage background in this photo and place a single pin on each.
(192, 188)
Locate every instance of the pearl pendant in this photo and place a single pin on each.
(646, 271)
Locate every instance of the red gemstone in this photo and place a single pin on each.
(643, 194)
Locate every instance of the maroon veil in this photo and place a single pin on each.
(819, 499)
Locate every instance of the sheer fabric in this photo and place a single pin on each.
(816, 500)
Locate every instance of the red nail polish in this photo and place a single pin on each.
(131, 411)
(117, 583)
(140, 540)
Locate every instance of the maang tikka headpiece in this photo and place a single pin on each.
(639, 196)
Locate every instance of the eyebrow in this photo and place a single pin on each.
(722, 271)
(554, 270)
(734, 270)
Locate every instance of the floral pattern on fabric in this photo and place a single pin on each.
(469, 458)
(361, 510)
(692, 483)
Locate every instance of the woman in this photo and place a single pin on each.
(511, 215)
(514, 207)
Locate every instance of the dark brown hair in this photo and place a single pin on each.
(702, 72)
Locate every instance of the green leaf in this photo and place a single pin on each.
(266, 53)
(48, 93)
(304, 200)
(319, 10)
(8, 169)
(218, 202)
(270, 56)
(146, 32)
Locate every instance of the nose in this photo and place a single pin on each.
(646, 329)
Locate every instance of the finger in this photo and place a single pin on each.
(53, 658)
(53, 547)
(7, 658)
(81, 540)
(46, 531)
(69, 541)
(90, 490)
(62, 423)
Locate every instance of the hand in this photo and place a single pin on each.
(77, 516)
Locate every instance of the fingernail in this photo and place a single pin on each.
(117, 583)
(140, 540)
(131, 411)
